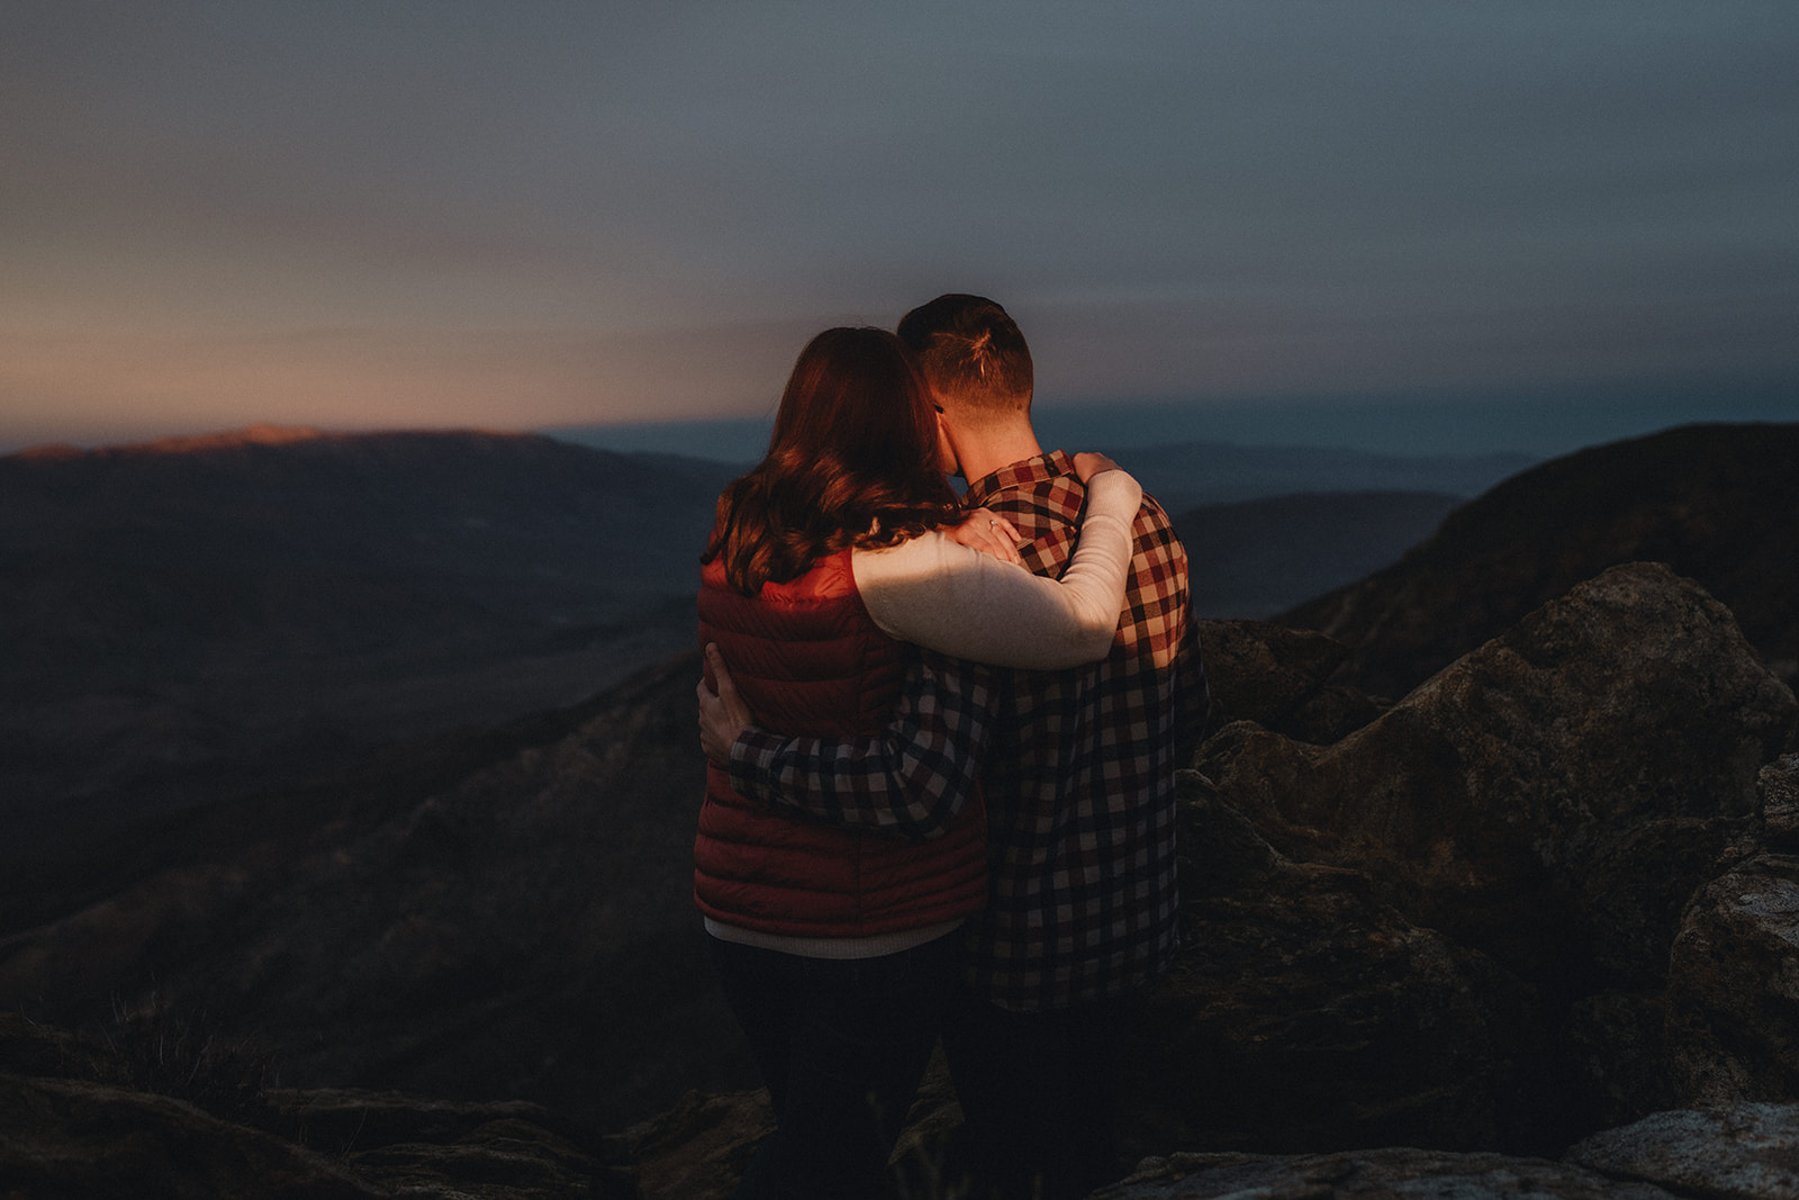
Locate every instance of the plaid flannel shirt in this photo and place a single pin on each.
(911, 780)
(1077, 769)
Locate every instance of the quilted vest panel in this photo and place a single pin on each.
(809, 660)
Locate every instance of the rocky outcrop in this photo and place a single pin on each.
(1282, 679)
(1305, 1013)
(1457, 926)
(1737, 1152)
(1740, 1152)
(1779, 785)
(1552, 798)
(421, 1146)
(1733, 985)
(1398, 1171)
(77, 1119)
(86, 1139)
(700, 1147)
(1718, 503)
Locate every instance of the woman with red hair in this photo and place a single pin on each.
(841, 568)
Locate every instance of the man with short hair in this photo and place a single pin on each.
(1078, 778)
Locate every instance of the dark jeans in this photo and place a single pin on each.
(842, 1044)
(1039, 1094)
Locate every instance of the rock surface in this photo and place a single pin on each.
(87, 1139)
(81, 1119)
(1779, 787)
(1396, 1172)
(1456, 927)
(1741, 1152)
(1307, 1014)
(1733, 986)
(1282, 679)
(1529, 800)
(701, 1146)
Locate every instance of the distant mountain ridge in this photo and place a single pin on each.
(1718, 503)
(1251, 558)
(1184, 475)
(271, 600)
(263, 434)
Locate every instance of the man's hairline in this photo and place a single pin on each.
(951, 406)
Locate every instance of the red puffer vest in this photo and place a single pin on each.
(809, 660)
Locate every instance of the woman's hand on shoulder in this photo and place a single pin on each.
(989, 533)
(1089, 463)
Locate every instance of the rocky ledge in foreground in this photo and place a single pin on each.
(80, 1119)
(1549, 892)
(1744, 1152)
(1528, 932)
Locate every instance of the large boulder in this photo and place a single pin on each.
(1615, 1051)
(1555, 796)
(1282, 679)
(1720, 1030)
(1733, 986)
(1305, 1013)
(1779, 785)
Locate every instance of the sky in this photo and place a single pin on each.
(523, 215)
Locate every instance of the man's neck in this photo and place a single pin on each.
(984, 451)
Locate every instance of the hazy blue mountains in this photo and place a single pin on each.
(209, 616)
(1183, 475)
(198, 616)
(1252, 558)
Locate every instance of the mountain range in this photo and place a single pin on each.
(211, 616)
(1249, 558)
(207, 616)
(1499, 911)
(1719, 503)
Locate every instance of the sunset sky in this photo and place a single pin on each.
(517, 215)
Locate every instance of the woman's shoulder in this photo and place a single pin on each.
(928, 551)
(829, 576)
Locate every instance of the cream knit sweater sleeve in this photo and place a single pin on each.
(946, 597)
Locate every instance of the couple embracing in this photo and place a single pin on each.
(940, 742)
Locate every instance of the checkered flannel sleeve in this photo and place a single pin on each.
(910, 780)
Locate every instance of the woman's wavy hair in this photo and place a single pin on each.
(853, 461)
